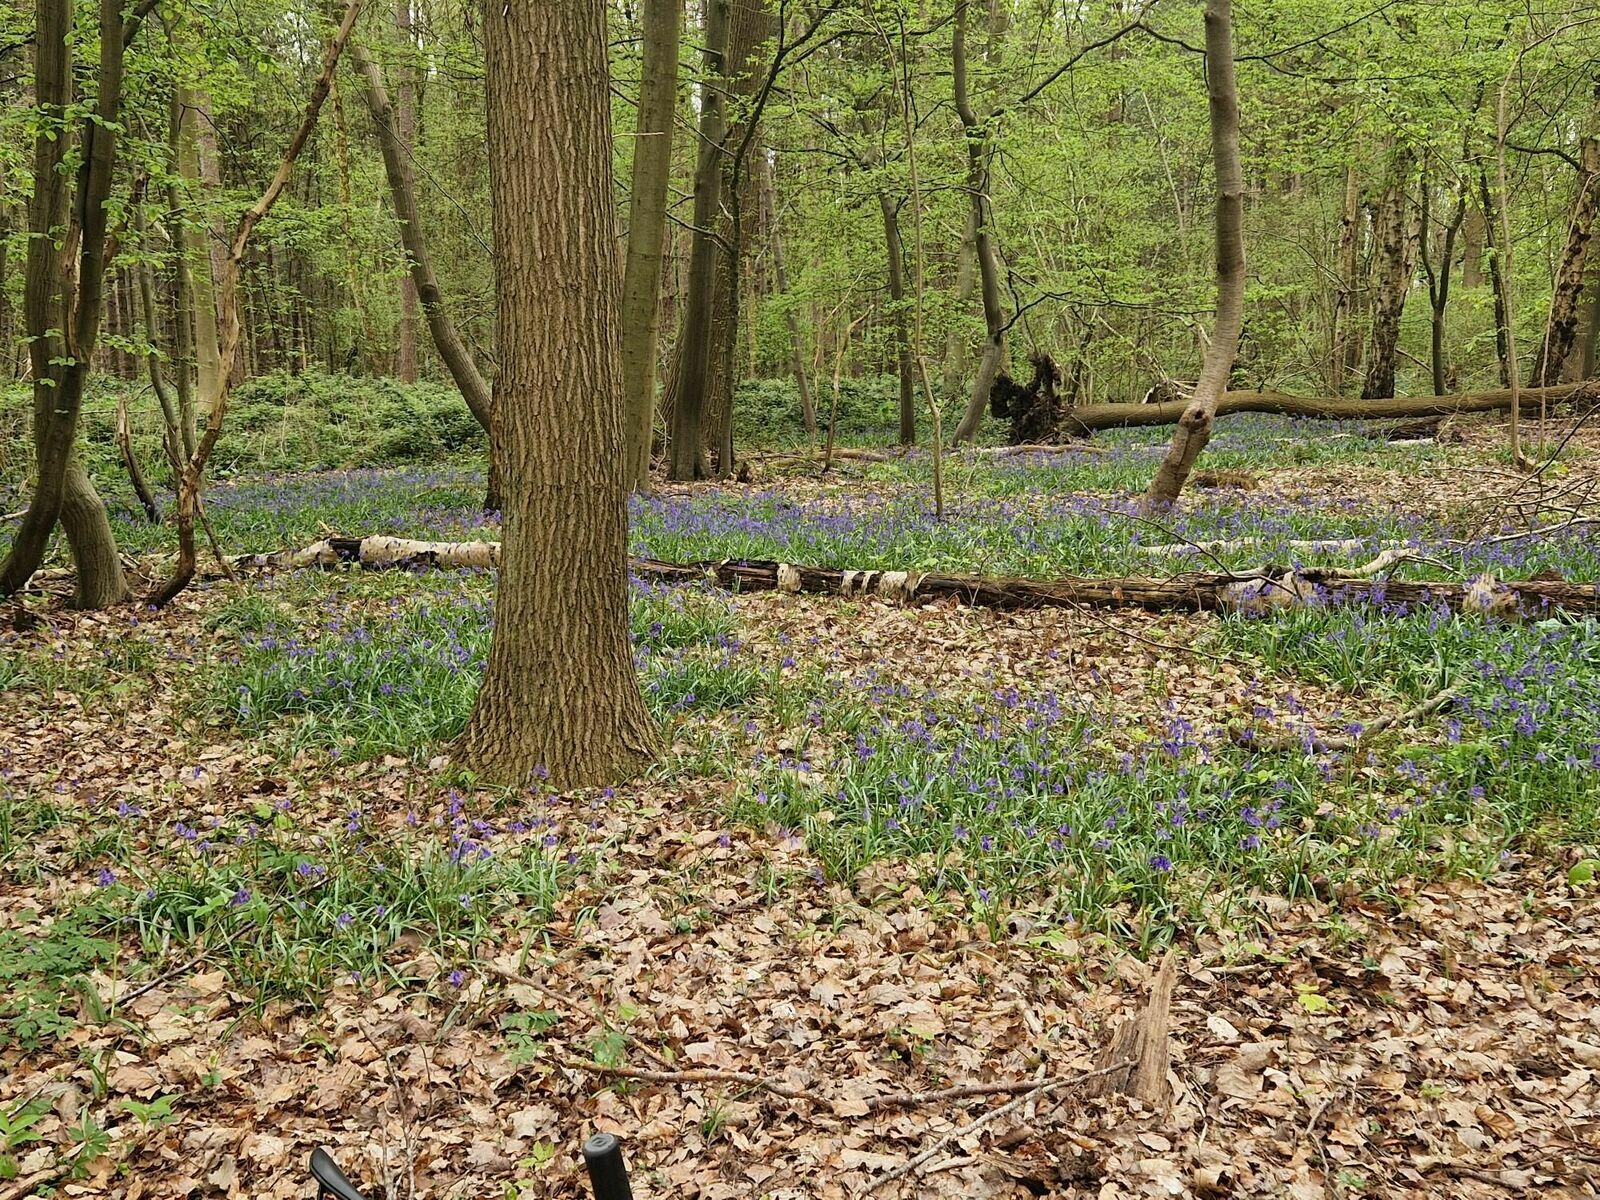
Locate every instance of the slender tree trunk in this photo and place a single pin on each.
(1193, 430)
(1472, 247)
(1398, 234)
(686, 458)
(447, 341)
(63, 312)
(1581, 365)
(367, 355)
(405, 132)
(977, 138)
(201, 298)
(955, 342)
(780, 273)
(750, 28)
(1439, 280)
(647, 217)
(560, 697)
(1496, 278)
(898, 320)
(1344, 298)
(1561, 326)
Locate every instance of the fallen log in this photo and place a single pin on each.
(1089, 418)
(1242, 591)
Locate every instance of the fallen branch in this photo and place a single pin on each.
(1122, 416)
(1427, 708)
(994, 1114)
(1041, 448)
(1236, 591)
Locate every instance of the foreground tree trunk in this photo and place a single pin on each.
(63, 312)
(988, 260)
(1439, 281)
(447, 341)
(1561, 327)
(560, 696)
(647, 219)
(1194, 426)
(1340, 342)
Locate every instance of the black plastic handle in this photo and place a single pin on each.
(607, 1174)
(330, 1179)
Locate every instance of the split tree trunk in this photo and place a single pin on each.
(1561, 327)
(1439, 280)
(647, 218)
(560, 698)
(63, 312)
(988, 260)
(447, 341)
(955, 342)
(1194, 426)
(1398, 235)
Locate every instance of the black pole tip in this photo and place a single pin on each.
(600, 1145)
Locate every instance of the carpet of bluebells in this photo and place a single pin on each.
(996, 797)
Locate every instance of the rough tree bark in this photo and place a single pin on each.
(955, 342)
(201, 301)
(780, 272)
(978, 161)
(458, 360)
(1397, 232)
(647, 218)
(62, 306)
(560, 697)
(404, 130)
(1496, 276)
(686, 458)
(1193, 430)
(1561, 326)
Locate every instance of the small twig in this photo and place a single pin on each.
(994, 1114)
(575, 1006)
(400, 1108)
(164, 977)
(743, 1078)
(1431, 705)
(21, 512)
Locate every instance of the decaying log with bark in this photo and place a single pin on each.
(1243, 591)
(1084, 420)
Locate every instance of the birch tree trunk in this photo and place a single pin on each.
(404, 129)
(1193, 430)
(647, 218)
(560, 698)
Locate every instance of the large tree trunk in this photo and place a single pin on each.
(1496, 277)
(1472, 247)
(1561, 327)
(898, 321)
(1194, 426)
(647, 218)
(1581, 365)
(988, 259)
(63, 308)
(447, 341)
(404, 130)
(686, 399)
(560, 698)
(1397, 233)
(780, 273)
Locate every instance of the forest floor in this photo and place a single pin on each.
(249, 907)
